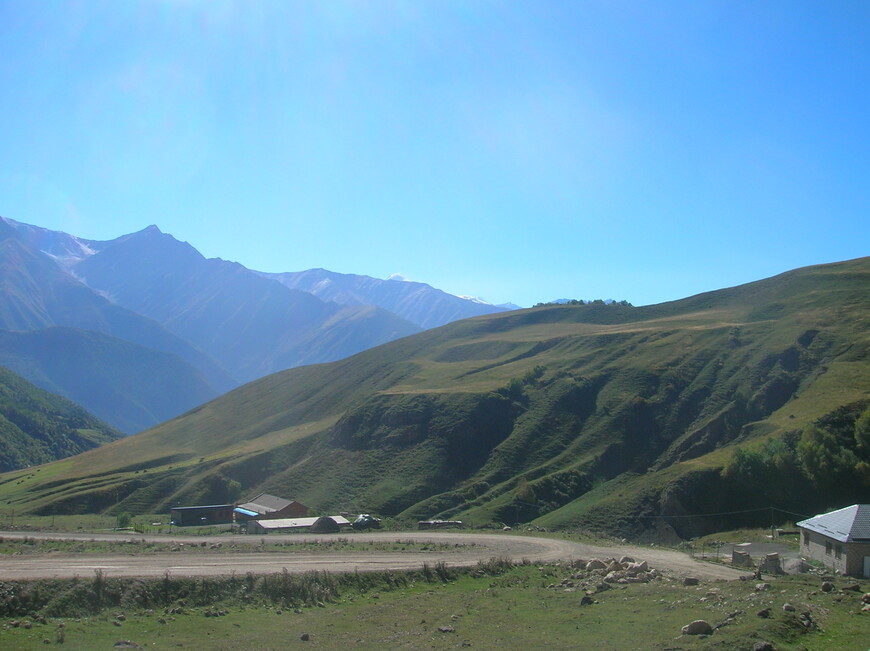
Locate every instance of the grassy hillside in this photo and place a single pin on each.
(587, 415)
(37, 427)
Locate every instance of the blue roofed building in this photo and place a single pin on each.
(839, 539)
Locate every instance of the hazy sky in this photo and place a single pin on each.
(519, 151)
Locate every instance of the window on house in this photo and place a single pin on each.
(838, 551)
(828, 547)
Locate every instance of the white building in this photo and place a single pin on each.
(839, 539)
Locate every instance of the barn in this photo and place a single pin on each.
(269, 507)
(185, 516)
(323, 524)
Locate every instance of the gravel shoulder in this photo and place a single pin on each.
(469, 549)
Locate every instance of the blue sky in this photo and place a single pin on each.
(517, 151)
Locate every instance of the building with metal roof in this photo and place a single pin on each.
(269, 507)
(839, 539)
(324, 524)
(201, 515)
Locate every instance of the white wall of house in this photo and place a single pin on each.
(857, 553)
(844, 558)
(824, 549)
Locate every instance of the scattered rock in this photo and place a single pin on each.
(866, 598)
(126, 644)
(852, 587)
(761, 587)
(698, 627)
(305, 637)
(626, 559)
(446, 629)
(787, 607)
(586, 600)
(827, 586)
(595, 564)
(636, 568)
(691, 580)
(762, 646)
(765, 613)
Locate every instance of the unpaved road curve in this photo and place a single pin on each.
(468, 549)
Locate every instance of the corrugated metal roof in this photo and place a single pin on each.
(286, 523)
(265, 503)
(207, 506)
(247, 512)
(850, 524)
(298, 523)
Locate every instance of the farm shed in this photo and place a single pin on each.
(839, 539)
(184, 516)
(280, 525)
(323, 524)
(265, 506)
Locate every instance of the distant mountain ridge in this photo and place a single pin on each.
(227, 324)
(418, 303)
(253, 325)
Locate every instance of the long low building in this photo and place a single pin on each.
(323, 524)
(185, 516)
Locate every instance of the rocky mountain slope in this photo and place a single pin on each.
(252, 325)
(625, 419)
(225, 323)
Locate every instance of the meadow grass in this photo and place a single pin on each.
(494, 605)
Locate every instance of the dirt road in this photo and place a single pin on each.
(467, 549)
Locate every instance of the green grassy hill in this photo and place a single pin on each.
(605, 416)
(37, 427)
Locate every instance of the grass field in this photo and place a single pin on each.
(492, 606)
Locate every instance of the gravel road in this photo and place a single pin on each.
(468, 549)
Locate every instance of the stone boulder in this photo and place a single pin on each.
(698, 627)
(636, 568)
(595, 564)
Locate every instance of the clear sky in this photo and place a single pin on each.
(519, 150)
